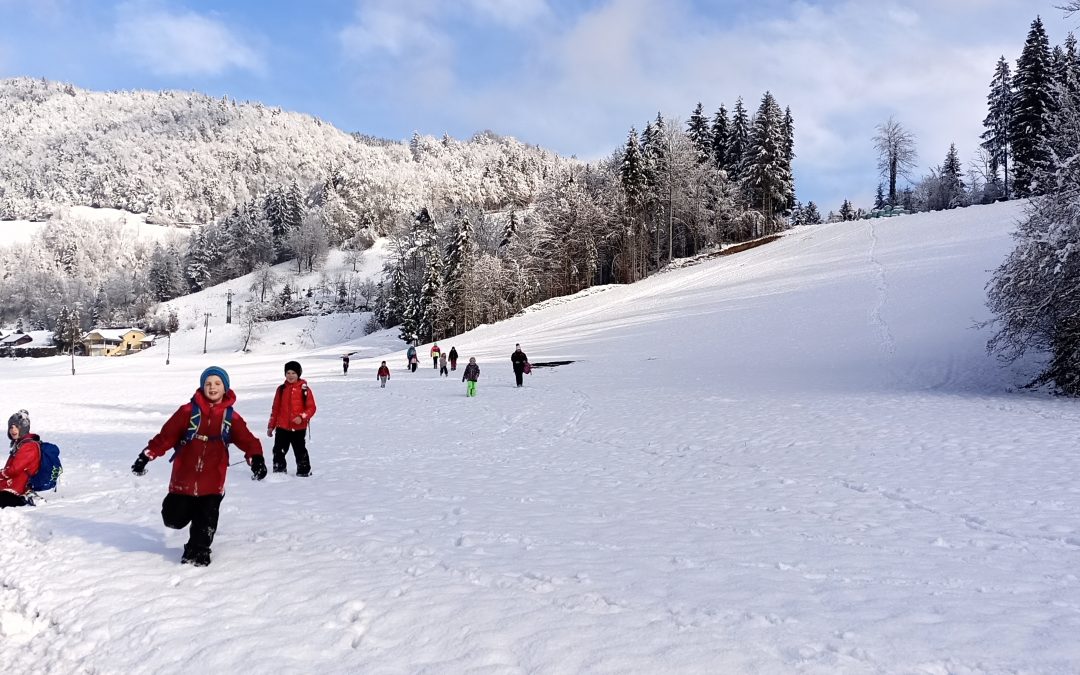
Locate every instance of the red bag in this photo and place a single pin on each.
(527, 368)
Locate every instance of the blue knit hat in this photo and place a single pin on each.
(214, 370)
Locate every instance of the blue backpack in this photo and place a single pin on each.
(49, 471)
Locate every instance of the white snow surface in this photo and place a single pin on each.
(795, 459)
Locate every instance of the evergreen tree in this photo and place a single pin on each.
(697, 128)
(789, 154)
(632, 179)
(509, 230)
(459, 259)
(767, 176)
(738, 141)
(998, 121)
(847, 211)
(1032, 104)
(879, 197)
(811, 215)
(720, 132)
(952, 183)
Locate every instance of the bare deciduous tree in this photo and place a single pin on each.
(896, 153)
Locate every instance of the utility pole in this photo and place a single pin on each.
(228, 306)
(168, 353)
(206, 329)
(73, 335)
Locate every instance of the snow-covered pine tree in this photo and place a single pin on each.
(198, 260)
(634, 185)
(738, 141)
(879, 197)
(952, 180)
(847, 211)
(811, 214)
(697, 128)
(1035, 294)
(1031, 104)
(767, 176)
(460, 255)
(789, 154)
(719, 132)
(998, 122)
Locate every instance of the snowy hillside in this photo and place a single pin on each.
(187, 157)
(798, 458)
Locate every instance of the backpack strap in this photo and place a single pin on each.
(192, 433)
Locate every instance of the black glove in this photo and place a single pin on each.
(258, 467)
(139, 467)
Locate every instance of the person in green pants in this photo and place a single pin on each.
(472, 374)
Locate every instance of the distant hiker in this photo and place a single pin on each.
(200, 432)
(413, 363)
(472, 374)
(383, 374)
(22, 463)
(453, 358)
(442, 365)
(410, 359)
(519, 361)
(293, 408)
(345, 364)
(435, 355)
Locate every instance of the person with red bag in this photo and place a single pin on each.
(293, 408)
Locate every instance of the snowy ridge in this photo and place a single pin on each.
(798, 458)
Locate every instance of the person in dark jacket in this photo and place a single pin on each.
(200, 463)
(453, 358)
(411, 360)
(518, 359)
(345, 364)
(293, 408)
(22, 463)
(471, 375)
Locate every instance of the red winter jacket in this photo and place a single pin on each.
(289, 404)
(384, 371)
(23, 462)
(199, 467)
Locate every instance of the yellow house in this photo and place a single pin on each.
(114, 341)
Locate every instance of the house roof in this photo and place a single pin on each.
(111, 333)
(38, 338)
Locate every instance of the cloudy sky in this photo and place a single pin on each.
(570, 76)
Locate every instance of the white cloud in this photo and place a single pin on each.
(182, 43)
(511, 12)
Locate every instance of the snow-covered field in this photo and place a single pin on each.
(794, 459)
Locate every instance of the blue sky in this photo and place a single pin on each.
(570, 76)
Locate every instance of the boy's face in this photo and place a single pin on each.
(291, 376)
(214, 389)
(13, 432)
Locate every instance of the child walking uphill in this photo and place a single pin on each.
(472, 374)
(383, 374)
(200, 431)
(294, 406)
(23, 461)
(442, 365)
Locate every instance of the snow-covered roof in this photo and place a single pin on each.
(111, 333)
(38, 338)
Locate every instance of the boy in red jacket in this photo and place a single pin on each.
(383, 375)
(294, 406)
(23, 462)
(200, 432)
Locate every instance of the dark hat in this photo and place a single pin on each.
(214, 370)
(295, 367)
(21, 421)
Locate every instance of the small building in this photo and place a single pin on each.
(114, 341)
(35, 343)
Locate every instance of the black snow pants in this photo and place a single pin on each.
(179, 511)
